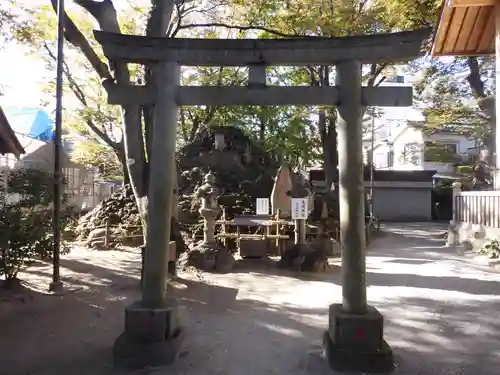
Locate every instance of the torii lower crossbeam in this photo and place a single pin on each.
(270, 95)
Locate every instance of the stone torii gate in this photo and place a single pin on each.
(354, 339)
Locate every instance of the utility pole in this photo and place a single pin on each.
(56, 284)
(372, 163)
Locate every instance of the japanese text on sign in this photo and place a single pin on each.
(262, 206)
(299, 208)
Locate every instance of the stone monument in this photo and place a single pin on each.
(301, 256)
(281, 193)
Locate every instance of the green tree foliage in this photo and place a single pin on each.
(24, 235)
(26, 220)
(286, 132)
(289, 132)
(97, 123)
(408, 14)
(9, 18)
(334, 18)
(454, 93)
(34, 186)
(457, 94)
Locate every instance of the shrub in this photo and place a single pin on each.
(23, 236)
(26, 228)
(34, 186)
(491, 248)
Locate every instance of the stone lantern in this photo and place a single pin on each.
(209, 210)
(220, 142)
(209, 255)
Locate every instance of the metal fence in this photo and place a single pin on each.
(477, 207)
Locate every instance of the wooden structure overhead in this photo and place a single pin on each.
(466, 28)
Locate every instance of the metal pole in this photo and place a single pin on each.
(496, 126)
(372, 162)
(56, 279)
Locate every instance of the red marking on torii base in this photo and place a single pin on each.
(360, 333)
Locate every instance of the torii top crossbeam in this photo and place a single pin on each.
(243, 52)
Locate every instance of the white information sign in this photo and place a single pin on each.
(262, 206)
(299, 208)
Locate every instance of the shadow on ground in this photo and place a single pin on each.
(441, 315)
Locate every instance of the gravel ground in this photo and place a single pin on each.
(441, 311)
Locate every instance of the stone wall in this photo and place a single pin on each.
(470, 236)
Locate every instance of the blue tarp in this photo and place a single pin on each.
(32, 122)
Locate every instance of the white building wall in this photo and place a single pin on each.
(408, 148)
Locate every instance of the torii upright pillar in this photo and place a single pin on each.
(153, 335)
(354, 340)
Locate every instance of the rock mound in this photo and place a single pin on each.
(304, 258)
(120, 214)
(243, 171)
(208, 259)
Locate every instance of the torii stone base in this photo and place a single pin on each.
(152, 337)
(355, 342)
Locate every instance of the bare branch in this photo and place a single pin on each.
(474, 77)
(75, 88)
(382, 79)
(375, 71)
(175, 30)
(160, 16)
(103, 11)
(106, 16)
(101, 134)
(183, 124)
(78, 40)
(80, 95)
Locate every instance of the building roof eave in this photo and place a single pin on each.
(465, 28)
(10, 141)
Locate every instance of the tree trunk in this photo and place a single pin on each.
(262, 128)
(331, 150)
(135, 156)
(487, 105)
(328, 138)
(120, 154)
(327, 132)
(157, 26)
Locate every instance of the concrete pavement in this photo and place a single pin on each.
(441, 313)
